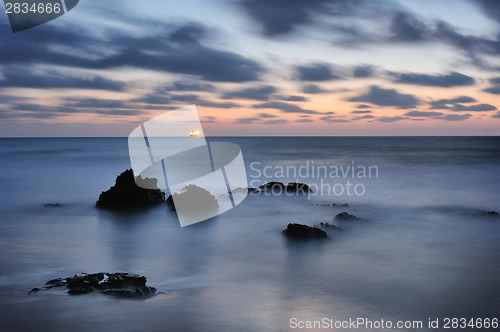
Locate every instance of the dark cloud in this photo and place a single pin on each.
(193, 86)
(387, 97)
(407, 28)
(293, 98)
(287, 108)
(189, 33)
(208, 119)
(282, 16)
(474, 108)
(316, 72)
(330, 118)
(422, 114)
(267, 115)
(391, 118)
(363, 71)
(97, 103)
(313, 89)
(277, 121)
(455, 117)
(361, 112)
(448, 80)
(363, 117)
(496, 116)
(443, 104)
(363, 106)
(490, 8)
(304, 120)
(495, 89)
(247, 120)
(24, 78)
(157, 99)
(189, 98)
(206, 103)
(118, 112)
(151, 52)
(256, 93)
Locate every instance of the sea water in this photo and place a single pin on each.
(429, 250)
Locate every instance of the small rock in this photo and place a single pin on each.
(298, 231)
(125, 194)
(331, 227)
(52, 205)
(117, 284)
(344, 216)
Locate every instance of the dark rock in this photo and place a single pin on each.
(195, 200)
(304, 232)
(144, 291)
(125, 194)
(79, 291)
(340, 205)
(117, 284)
(57, 282)
(52, 205)
(297, 188)
(331, 227)
(344, 216)
(332, 204)
(278, 188)
(272, 186)
(170, 203)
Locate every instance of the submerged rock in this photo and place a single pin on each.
(304, 232)
(344, 216)
(115, 284)
(52, 205)
(330, 227)
(125, 194)
(278, 188)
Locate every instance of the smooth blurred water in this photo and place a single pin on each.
(426, 252)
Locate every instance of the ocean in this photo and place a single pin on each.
(428, 251)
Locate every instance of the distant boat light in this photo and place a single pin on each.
(194, 133)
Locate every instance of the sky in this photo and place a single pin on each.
(257, 68)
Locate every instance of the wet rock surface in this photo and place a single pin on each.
(52, 205)
(114, 284)
(346, 217)
(278, 188)
(331, 227)
(304, 232)
(125, 194)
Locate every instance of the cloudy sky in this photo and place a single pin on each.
(257, 67)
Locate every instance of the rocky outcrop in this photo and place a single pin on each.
(125, 194)
(346, 217)
(304, 232)
(114, 284)
(331, 227)
(52, 205)
(278, 188)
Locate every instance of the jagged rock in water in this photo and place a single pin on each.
(125, 194)
(115, 284)
(52, 205)
(193, 200)
(278, 188)
(330, 227)
(344, 216)
(304, 232)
